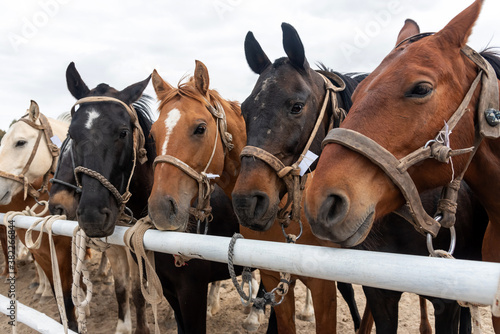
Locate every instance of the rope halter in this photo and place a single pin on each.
(203, 210)
(44, 129)
(140, 153)
(437, 148)
(291, 174)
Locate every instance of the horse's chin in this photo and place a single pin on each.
(5, 197)
(259, 225)
(178, 224)
(351, 233)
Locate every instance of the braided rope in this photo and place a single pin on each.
(134, 240)
(80, 273)
(269, 297)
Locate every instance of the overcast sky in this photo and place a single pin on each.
(120, 42)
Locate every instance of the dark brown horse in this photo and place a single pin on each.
(280, 115)
(401, 106)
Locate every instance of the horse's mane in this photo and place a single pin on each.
(351, 80)
(188, 89)
(492, 55)
(65, 117)
(143, 109)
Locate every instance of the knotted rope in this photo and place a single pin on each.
(269, 297)
(134, 240)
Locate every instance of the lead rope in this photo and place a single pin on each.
(46, 223)
(477, 325)
(80, 274)
(134, 240)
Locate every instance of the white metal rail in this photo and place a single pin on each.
(470, 281)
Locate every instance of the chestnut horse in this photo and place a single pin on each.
(102, 135)
(191, 131)
(28, 151)
(280, 115)
(399, 108)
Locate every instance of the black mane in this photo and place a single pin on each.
(144, 112)
(351, 80)
(492, 55)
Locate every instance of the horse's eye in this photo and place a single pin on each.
(21, 143)
(297, 108)
(200, 129)
(422, 89)
(123, 134)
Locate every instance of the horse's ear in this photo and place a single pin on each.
(76, 86)
(161, 86)
(409, 29)
(133, 92)
(33, 111)
(293, 46)
(201, 78)
(457, 32)
(256, 57)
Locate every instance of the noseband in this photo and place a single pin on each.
(203, 210)
(291, 174)
(45, 129)
(437, 148)
(139, 152)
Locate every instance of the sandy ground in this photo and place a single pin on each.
(103, 316)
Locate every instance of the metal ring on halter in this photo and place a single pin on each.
(249, 301)
(282, 297)
(300, 233)
(42, 203)
(131, 214)
(453, 240)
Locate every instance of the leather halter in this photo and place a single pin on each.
(203, 210)
(396, 169)
(45, 129)
(139, 151)
(291, 174)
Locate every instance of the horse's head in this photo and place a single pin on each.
(280, 115)
(28, 153)
(192, 138)
(107, 143)
(401, 106)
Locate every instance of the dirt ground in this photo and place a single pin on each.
(103, 316)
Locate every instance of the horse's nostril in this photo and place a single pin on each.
(333, 209)
(259, 205)
(107, 214)
(58, 210)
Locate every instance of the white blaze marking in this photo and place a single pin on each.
(170, 122)
(93, 114)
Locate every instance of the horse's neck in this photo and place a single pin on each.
(483, 176)
(140, 188)
(232, 163)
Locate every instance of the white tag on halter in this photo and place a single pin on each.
(308, 160)
(55, 139)
(211, 176)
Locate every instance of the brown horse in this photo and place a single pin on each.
(187, 130)
(18, 144)
(401, 106)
